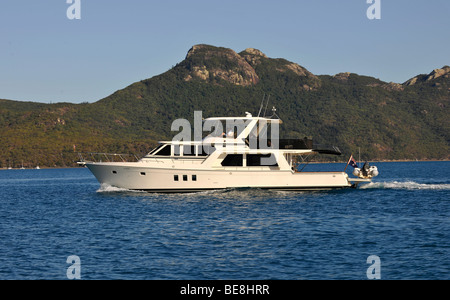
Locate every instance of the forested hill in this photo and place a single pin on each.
(385, 120)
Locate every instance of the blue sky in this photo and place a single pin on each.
(46, 57)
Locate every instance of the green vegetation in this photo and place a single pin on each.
(387, 121)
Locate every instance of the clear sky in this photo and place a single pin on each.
(46, 57)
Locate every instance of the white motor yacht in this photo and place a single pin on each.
(245, 158)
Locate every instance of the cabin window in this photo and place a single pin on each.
(194, 177)
(175, 178)
(142, 173)
(114, 172)
(233, 160)
(256, 160)
(156, 149)
(164, 151)
(185, 178)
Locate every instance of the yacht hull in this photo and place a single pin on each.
(137, 176)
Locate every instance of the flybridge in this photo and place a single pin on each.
(254, 133)
(237, 128)
(224, 132)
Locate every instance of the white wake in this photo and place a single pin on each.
(106, 188)
(405, 185)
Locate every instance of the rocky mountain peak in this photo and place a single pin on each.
(436, 73)
(439, 72)
(213, 64)
(253, 56)
(256, 52)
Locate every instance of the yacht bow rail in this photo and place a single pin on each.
(105, 157)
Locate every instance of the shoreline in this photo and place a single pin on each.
(311, 162)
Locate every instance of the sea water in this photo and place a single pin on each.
(49, 215)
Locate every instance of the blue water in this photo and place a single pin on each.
(403, 218)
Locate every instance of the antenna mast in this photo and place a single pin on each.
(262, 104)
(267, 104)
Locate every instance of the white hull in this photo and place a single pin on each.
(136, 176)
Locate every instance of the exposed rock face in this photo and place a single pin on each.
(193, 50)
(201, 72)
(255, 52)
(445, 71)
(438, 73)
(392, 86)
(253, 56)
(208, 63)
(412, 81)
(342, 76)
(215, 65)
(297, 69)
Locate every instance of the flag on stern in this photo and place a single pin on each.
(352, 162)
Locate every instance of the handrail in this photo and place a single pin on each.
(109, 157)
(214, 140)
